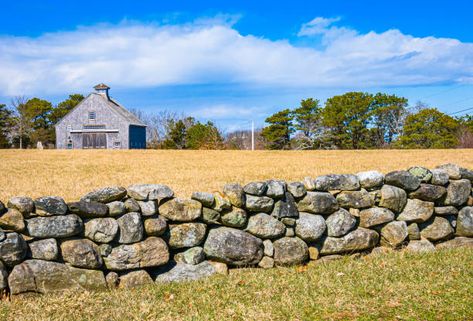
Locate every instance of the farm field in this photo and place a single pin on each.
(71, 174)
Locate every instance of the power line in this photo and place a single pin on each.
(460, 111)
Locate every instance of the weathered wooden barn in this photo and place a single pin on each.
(100, 122)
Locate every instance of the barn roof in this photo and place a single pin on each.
(130, 117)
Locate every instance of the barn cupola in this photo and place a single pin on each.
(102, 89)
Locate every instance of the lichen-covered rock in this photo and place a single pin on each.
(130, 228)
(453, 170)
(155, 226)
(54, 226)
(81, 253)
(309, 183)
(268, 248)
(357, 240)
(234, 192)
(237, 217)
(12, 249)
(186, 235)
(413, 231)
(46, 249)
(46, 277)
(422, 246)
(112, 279)
(150, 192)
(355, 199)
(457, 192)
(428, 192)
(394, 234)
(207, 199)
(276, 189)
(106, 194)
(151, 252)
(105, 249)
(466, 173)
(346, 182)
(192, 256)
(422, 173)
(436, 229)
(290, 251)
(340, 223)
(375, 216)
(465, 222)
(416, 211)
(234, 247)
(23, 204)
(266, 227)
(210, 216)
(393, 198)
(187, 272)
(445, 210)
(117, 208)
(285, 207)
(88, 209)
(148, 208)
(318, 203)
(456, 243)
(370, 179)
(266, 262)
(12, 220)
(310, 227)
(135, 278)
(101, 230)
(221, 203)
(297, 189)
(50, 205)
(181, 210)
(259, 203)
(402, 179)
(255, 188)
(439, 177)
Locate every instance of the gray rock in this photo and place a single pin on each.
(453, 170)
(402, 179)
(436, 229)
(466, 173)
(222, 203)
(186, 235)
(181, 210)
(457, 192)
(233, 247)
(192, 256)
(46, 249)
(276, 189)
(21, 203)
(416, 211)
(55, 226)
(131, 205)
(394, 234)
(47, 277)
(255, 188)
(130, 228)
(268, 248)
(155, 226)
(266, 262)
(439, 177)
(187, 272)
(106, 194)
(355, 199)
(297, 189)
(413, 231)
(134, 279)
(375, 216)
(465, 222)
(210, 216)
(3, 276)
(310, 227)
(370, 179)
(290, 251)
(422, 246)
(259, 203)
(393, 198)
(207, 199)
(288, 221)
(112, 279)
(309, 183)
(117, 208)
(105, 249)
(357, 240)
(148, 208)
(3, 235)
(12, 220)
(456, 243)
(150, 192)
(428, 192)
(340, 223)
(266, 227)
(290, 232)
(285, 208)
(422, 173)
(332, 182)
(81, 253)
(50, 205)
(12, 249)
(234, 192)
(151, 252)
(318, 203)
(445, 210)
(88, 209)
(101, 230)
(237, 217)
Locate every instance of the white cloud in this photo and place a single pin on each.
(212, 51)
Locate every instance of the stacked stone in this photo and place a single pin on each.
(128, 237)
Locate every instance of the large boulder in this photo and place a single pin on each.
(148, 208)
(445, 210)
(357, 240)
(155, 226)
(416, 211)
(428, 192)
(255, 188)
(81, 253)
(355, 199)
(457, 192)
(106, 194)
(297, 189)
(186, 235)
(50, 205)
(309, 183)
(466, 173)
(332, 182)
(421, 246)
(187, 272)
(340, 223)
(13, 249)
(393, 198)
(211, 216)
(237, 217)
(207, 199)
(422, 173)
(148, 253)
(135, 278)
(130, 228)
(436, 229)
(194, 255)
(45, 277)
(394, 234)
(375, 216)
(318, 203)
(12, 220)
(181, 210)
(402, 179)
(413, 231)
(259, 203)
(54, 226)
(23, 204)
(46, 249)
(150, 192)
(456, 243)
(290, 251)
(266, 227)
(439, 177)
(453, 170)
(310, 227)
(117, 208)
(465, 222)
(101, 230)
(370, 179)
(285, 207)
(234, 192)
(221, 203)
(276, 189)
(234, 247)
(88, 209)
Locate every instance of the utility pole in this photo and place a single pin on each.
(252, 135)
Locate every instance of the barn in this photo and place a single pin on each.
(99, 122)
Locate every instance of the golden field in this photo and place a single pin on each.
(71, 174)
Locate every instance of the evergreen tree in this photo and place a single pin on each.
(278, 134)
(6, 124)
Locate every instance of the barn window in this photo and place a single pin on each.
(117, 144)
(92, 115)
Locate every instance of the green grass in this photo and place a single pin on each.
(393, 286)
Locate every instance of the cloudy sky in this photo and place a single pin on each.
(238, 61)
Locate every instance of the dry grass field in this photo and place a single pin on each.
(71, 174)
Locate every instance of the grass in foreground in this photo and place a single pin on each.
(395, 286)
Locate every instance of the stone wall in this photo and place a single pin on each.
(125, 237)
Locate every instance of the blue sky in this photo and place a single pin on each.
(236, 61)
